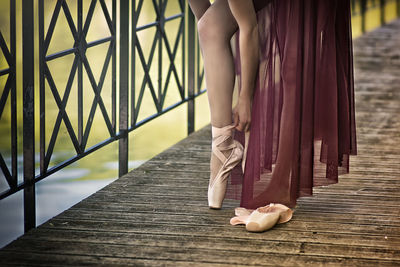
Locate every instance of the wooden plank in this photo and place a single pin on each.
(209, 249)
(301, 216)
(268, 243)
(29, 259)
(143, 219)
(197, 258)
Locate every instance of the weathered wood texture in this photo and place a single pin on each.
(158, 214)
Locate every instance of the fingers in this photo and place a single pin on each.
(239, 127)
(243, 125)
(241, 117)
(235, 118)
(247, 127)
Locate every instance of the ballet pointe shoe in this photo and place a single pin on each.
(261, 221)
(263, 218)
(217, 185)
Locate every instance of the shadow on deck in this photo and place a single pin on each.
(158, 213)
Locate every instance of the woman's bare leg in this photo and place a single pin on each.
(199, 7)
(216, 26)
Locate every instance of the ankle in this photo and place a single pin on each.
(226, 130)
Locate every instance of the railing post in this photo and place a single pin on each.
(382, 11)
(363, 9)
(160, 29)
(191, 70)
(123, 86)
(14, 125)
(398, 7)
(28, 114)
(80, 77)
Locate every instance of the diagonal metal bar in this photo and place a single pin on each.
(146, 67)
(95, 100)
(134, 22)
(172, 64)
(52, 25)
(176, 45)
(146, 78)
(136, 107)
(182, 5)
(4, 96)
(161, 26)
(171, 58)
(3, 166)
(166, 84)
(97, 91)
(70, 21)
(107, 17)
(162, 30)
(103, 75)
(4, 48)
(62, 114)
(139, 8)
(156, 9)
(105, 68)
(89, 17)
(181, 35)
(161, 99)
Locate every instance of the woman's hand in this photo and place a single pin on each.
(246, 18)
(242, 114)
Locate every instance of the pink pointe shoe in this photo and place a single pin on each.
(217, 185)
(263, 218)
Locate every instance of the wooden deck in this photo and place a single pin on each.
(158, 214)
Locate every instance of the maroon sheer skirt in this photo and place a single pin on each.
(303, 126)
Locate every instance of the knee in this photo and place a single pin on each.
(210, 31)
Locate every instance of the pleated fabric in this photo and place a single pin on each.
(303, 125)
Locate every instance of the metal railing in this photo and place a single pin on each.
(361, 7)
(122, 118)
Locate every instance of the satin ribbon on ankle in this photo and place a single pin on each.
(218, 131)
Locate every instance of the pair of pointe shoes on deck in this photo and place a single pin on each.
(262, 218)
